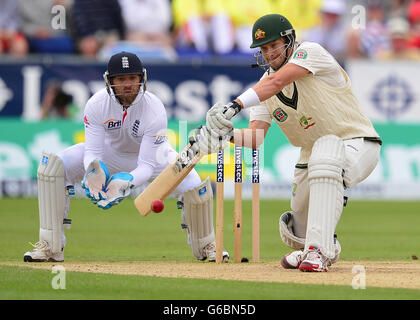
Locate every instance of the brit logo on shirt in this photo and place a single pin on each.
(113, 124)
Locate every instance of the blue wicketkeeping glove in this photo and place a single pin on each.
(117, 189)
(94, 181)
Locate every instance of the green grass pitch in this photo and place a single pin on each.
(369, 230)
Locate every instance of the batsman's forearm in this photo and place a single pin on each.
(275, 82)
(263, 89)
(269, 86)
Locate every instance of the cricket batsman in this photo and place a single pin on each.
(307, 93)
(125, 146)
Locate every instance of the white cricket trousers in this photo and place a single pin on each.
(361, 158)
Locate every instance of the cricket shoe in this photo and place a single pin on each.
(314, 261)
(210, 252)
(42, 253)
(292, 260)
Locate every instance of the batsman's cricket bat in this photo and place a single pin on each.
(165, 183)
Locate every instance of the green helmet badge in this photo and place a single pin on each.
(259, 34)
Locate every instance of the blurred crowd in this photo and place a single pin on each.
(166, 29)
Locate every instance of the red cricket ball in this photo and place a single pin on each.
(157, 206)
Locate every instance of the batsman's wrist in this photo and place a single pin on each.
(249, 98)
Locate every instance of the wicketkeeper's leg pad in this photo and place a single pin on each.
(198, 217)
(51, 200)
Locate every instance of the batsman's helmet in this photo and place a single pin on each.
(271, 27)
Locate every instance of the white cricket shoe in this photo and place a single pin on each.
(210, 251)
(314, 261)
(292, 260)
(42, 253)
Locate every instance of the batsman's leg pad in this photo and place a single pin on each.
(287, 233)
(325, 176)
(51, 200)
(198, 216)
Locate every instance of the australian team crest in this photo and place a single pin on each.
(280, 115)
(306, 122)
(259, 34)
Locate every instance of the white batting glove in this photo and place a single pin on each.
(117, 189)
(94, 181)
(218, 118)
(201, 143)
(204, 143)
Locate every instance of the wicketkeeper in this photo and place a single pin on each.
(307, 93)
(125, 146)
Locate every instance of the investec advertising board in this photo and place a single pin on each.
(387, 93)
(186, 91)
(396, 177)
